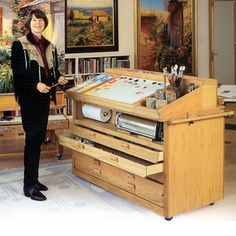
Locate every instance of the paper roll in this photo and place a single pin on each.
(96, 113)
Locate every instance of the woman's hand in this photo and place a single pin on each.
(42, 88)
(62, 80)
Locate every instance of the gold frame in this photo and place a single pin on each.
(85, 48)
(137, 28)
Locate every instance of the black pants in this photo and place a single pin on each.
(34, 113)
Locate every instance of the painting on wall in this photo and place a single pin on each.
(91, 26)
(12, 21)
(165, 34)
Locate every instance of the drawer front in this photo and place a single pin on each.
(132, 183)
(58, 124)
(15, 130)
(130, 148)
(131, 164)
(11, 131)
(87, 164)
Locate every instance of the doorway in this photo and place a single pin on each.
(222, 41)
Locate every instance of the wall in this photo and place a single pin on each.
(126, 32)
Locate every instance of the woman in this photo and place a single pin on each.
(35, 70)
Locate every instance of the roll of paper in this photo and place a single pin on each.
(96, 113)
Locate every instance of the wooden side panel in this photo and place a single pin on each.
(193, 165)
(209, 97)
(180, 108)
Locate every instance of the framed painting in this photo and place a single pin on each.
(91, 26)
(165, 34)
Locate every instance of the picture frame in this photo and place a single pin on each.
(91, 26)
(165, 34)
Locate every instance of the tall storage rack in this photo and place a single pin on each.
(180, 173)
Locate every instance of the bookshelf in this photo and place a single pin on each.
(84, 68)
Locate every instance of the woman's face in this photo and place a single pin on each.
(37, 25)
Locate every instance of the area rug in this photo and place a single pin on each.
(68, 196)
(72, 200)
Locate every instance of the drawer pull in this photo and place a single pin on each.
(131, 176)
(114, 158)
(97, 172)
(97, 162)
(80, 145)
(92, 135)
(125, 145)
(131, 186)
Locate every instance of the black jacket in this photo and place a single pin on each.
(27, 73)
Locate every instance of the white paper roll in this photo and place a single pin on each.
(96, 113)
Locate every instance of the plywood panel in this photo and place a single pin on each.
(193, 164)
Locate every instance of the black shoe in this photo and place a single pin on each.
(41, 187)
(34, 193)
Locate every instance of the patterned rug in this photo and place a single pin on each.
(71, 200)
(68, 197)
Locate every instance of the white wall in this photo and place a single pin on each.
(202, 38)
(126, 33)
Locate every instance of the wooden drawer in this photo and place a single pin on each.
(139, 151)
(142, 187)
(112, 157)
(56, 122)
(10, 131)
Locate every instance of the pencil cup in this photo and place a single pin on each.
(160, 103)
(151, 102)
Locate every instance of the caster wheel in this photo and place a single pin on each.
(46, 141)
(169, 218)
(212, 203)
(59, 156)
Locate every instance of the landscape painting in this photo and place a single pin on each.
(91, 26)
(165, 34)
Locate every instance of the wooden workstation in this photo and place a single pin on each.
(181, 172)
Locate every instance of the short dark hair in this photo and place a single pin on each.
(39, 14)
